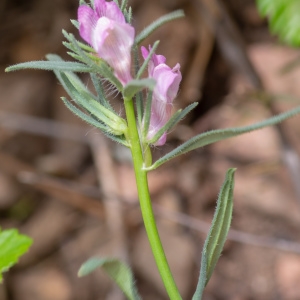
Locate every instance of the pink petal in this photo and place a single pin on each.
(109, 10)
(113, 12)
(113, 42)
(100, 7)
(162, 140)
(168, 81)
(87, 19)
(145, 52)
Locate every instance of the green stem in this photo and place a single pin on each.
(145, 203)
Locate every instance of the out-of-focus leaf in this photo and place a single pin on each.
(284, 16)
(117, 270)
(12, 246)
(156, 24)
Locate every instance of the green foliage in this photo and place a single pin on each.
(213, 136)
(156, 24)
(12, 246)
(117, 270)
(146, 61)
(136, 85)
(284, 17)
(216, 237)
(51, 66)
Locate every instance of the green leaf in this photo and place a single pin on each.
(51, 66)
(146, 61)
(100, 91)
(217, 235)
(284, 16)
(221, 134)
(159, 22)
(136, 85)
(12, 246)
(75, 23)
(78, 91)
(147, 115)
(92, 121)
(116, 124)
(117, 270)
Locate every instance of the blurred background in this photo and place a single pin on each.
(73, 191)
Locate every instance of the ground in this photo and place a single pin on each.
(73, 191)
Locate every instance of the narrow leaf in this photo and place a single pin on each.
(136, 85)
(51, 66)
(100, 91)
(12, 246)
(83, 116)
(139, 96)
(117, 270)
(90, 120)
(146, 61)
(159, 22)
(221, 134)
(75, 23)
(217, 235)
(177, 117)
(147, 115)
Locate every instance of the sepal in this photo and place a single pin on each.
(221, 134)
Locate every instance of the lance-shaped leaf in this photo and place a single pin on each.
(146, 61)
(12, 246)
(221, 134)
(75, 23)
(116, 124)
(100, 91)
(156, 24)
(117, 270)
(177, 117)
(147, 115)
(92, 121)
(136, 85)
(77, 82)
(217, 235)
(78, 91)
(51, 66)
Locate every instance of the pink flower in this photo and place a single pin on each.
(165, 91)
(106, 30)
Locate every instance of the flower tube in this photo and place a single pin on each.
(106, 30)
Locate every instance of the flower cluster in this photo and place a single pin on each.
(104, 27)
